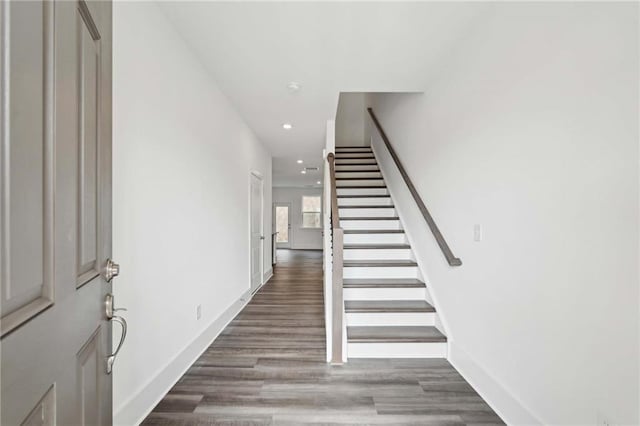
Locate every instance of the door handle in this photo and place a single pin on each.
(109, 311)
(262, 237)
(112, 358)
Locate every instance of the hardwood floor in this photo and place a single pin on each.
(268, 368)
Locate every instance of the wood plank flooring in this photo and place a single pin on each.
(268, 368)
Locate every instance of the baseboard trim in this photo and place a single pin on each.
(508, 407)
(267, 276)
(138, 407)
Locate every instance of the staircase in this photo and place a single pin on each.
(387, 314)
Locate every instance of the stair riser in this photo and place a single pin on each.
(340, 162)
(370, 224)
(368, 167)
(391, 318)
(350, 192)
(340, 175)
(381, 272)
(361, 182)
(373, 201)
(377, 254)
(374, 239)
(397, 350)
(384, 293)
(378, 212)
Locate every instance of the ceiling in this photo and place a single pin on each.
(255, 49)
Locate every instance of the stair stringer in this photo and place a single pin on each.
(395, 184)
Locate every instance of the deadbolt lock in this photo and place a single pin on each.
(111, 270)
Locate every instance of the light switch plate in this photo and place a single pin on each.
(477, 232)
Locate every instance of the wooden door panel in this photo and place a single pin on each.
(26, 211)
(53, 364)
(88, 178)
(90, 368)
(44, 413)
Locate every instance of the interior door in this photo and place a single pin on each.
(55, 209)
(257, 235)
(282, 215)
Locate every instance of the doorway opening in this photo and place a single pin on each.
(282, 215)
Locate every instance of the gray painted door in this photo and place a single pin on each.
(257, 237)
(55, 211)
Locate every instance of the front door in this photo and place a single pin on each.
(55, 212)
(282, 215)
(257, 235)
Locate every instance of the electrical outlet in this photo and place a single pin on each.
(477, 232)
(198, 311)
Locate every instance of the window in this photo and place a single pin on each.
(311, 212)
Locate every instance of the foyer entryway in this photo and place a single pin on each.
(268, 367)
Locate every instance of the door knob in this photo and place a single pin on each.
(111, 270)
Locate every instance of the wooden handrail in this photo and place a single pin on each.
(337, 302)
(448, 254)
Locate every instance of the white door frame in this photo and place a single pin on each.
(289, 205)
(259, 176)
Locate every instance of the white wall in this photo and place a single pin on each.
(301, 238)
(531, 130)
(351, 119)
(182, 159)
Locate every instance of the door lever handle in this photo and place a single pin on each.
(112, 358)
(109, 312)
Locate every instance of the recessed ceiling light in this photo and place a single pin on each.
(304, 172)
(318, 182)
(293, 86)
(300, 161)
(287, 126)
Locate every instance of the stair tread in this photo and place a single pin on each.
(360, 178)
(361, 187)
(377, 246)
(365, 195)
(382, 283)
(364, 206)
(356, 164)
(369, 218)
(395, 334)
(390, 306)
(374, 231)
(381, 263)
